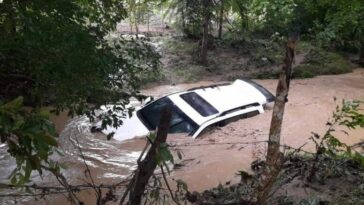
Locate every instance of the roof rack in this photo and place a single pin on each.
(239, 108)
(209, 86)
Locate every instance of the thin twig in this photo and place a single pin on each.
(167, 184)
(216, 143)
(59, 190)
(97, 191)
(63, 181)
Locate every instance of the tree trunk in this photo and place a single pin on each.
(221, 17)
(205, 35)
(183, 19)
(361, 57)
(149, 163)
(148, 23)
(136, 28)
(10, 10)
(131, 26)
(274, 156)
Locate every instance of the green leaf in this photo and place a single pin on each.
(63, 166)
(49, 140)
(35, 163)
(182, 184)
(164, 154)
(15, 104)
(152, 136)
(43, 113)
(28, 169)
(13, 180)
(110, 135)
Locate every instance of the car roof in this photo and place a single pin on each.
(223, 97)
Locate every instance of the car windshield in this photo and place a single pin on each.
(180, 122)
(199, 104)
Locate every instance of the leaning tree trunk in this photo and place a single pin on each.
(274, 156)
(279, 105)
(221, 17)
(147, 166)
(206, 13)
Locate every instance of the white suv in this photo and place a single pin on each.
(196, 109)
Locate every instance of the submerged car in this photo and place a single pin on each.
(196, 109)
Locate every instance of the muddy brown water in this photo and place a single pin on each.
(213, 158)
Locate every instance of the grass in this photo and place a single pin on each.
(151, 77)
(261, 52)
(177, 46)
(186, 74)
(317, 62)
(266, 75)
(303, 47)
(257, 58)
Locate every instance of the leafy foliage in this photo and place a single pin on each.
(64, 54)
(349, 116)
(30, 137)
(189, 16)
(273, 16)
(339, 23)
(54, 50)
(139, 12)
(321, 62)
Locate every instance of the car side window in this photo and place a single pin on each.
(153, 111)
(243, 116)
(151, 114)
(181, 127)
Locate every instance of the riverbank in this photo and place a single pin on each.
(228, 59)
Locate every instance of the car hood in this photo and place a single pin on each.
(132, 127)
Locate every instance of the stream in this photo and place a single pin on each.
(213, 158)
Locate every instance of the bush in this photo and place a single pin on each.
(321, 62)
(267, 75)
(317, 62)
(303, 47)
(180, 46)
(303, 71)
(261, 52)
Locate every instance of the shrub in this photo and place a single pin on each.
(321, 62)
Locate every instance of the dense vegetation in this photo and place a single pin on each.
(255, 30)
(63, 54)
(67, 55)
